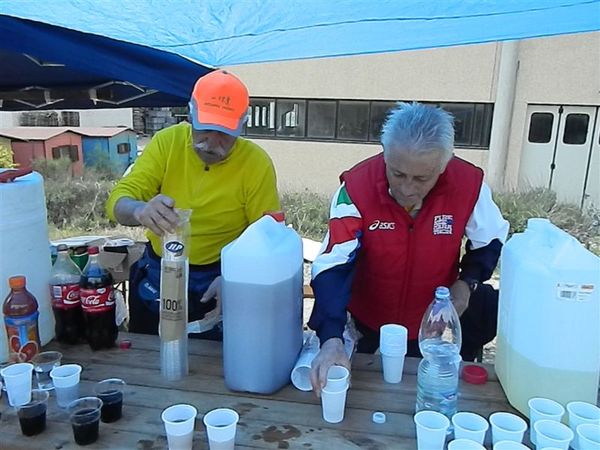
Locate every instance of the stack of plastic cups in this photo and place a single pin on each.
(392, 346)
(542, 409)
(333, 395)
(582, 413)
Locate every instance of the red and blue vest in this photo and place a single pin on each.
(402, 260)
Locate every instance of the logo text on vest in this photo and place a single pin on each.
(379, 225)
(443, 224)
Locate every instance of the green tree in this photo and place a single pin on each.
(6, 157)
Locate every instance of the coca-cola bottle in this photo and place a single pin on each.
(66, 305)
(98, 303)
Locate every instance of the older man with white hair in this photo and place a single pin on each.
(395, 233)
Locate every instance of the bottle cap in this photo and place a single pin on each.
(92, 250)
(379, 417)
(17, 282)
(124, 344)
(474, 374)
(279, 216)
(62, 248)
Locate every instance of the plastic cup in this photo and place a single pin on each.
(431, 430)
(337, 379)
(32, 415)
(588, 436)
(43, 363)
(393, 365)
(84, 414)
(580, 413)
(17, 378)
(542, 409)
(507, 427)
(179, 423)
(464, 444)
(392, 339)
(221, 425)
(468, 425)
(66, 383)
(510, 445)
(110, 391)
(333, 404)
(301, 372)
(550, 433)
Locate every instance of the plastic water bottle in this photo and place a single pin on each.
(439, 341)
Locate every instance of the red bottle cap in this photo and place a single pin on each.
(125, 344)
(279, 216)
(92, 250)
(474, 374)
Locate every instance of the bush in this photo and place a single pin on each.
(308, 212)
(6, 157)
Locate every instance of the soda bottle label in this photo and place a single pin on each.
(97, 300)
(23, 337)
(65, 296)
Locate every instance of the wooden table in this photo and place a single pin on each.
(288, 419)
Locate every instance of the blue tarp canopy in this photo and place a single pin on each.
(88, 53)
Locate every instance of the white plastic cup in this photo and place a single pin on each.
(431, 430)
(589, 436)
(468, 425)
(337, 379)
(393, 365)
(580, 413)
(66, 383)
(464, 444)
(301, 372)
(393, 339)
(507, 427)
(510, 445)
(333, 404)
(17, 378)
(221, 425)
(179, 423)
(550, 433)
(542, 409)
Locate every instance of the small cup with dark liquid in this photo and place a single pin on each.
(84, 414)
(32, 415)
(110, 391)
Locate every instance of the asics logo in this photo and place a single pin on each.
(379, 225)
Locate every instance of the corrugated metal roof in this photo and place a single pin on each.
(44, 133)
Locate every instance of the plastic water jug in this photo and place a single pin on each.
(24, 247)
(261, 292)
(548, 342)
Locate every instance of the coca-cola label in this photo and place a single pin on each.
(97, 300)
(65, 296)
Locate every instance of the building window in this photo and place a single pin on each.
(321, 119)
(66, 151)
(290, 117)
(353, 120)
(261, 118)
(540, 128)
(124, 148)
(379, 112)
(576, 129)
(69, 118)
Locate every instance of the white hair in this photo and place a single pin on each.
(418, 128)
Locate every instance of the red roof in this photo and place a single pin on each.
(45, 133)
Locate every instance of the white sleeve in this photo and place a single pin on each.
(486, 222)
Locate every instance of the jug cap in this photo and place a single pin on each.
(279, 216)
(474, 374)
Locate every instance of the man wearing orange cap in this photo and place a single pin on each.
(227, 181)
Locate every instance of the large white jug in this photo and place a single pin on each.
(262, 306)
(24, 248)
(548, 342)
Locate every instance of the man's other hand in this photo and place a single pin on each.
(332, 353)
(460, 293)
(158, 215)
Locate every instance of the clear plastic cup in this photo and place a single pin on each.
(32, 415)
(333, 404)
(510, 445)
(507, 427)
(337, 379)
(464, 444)
(110, 391)
(66, 383)
(542, 409)
(431, 430)
(221, 425)
(589, 436)
(43, 363)
(179, 423)
(580, 413)
(84, 414)
(17, 378)
(393, 366)
(468, 425)
(550, 433)
(393, 339)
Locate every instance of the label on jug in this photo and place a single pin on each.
(23, 337)
(574, 291)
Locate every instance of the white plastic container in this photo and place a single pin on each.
(262, 307)
(24, 248)
(548, 342)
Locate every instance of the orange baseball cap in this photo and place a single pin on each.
(219, 102)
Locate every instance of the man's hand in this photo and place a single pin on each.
(332, 354)
(158, 215)
(460, 293)
(213, 290)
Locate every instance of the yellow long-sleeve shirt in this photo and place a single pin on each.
(225, 197)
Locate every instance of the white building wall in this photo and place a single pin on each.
(118, 117)
(9, 119)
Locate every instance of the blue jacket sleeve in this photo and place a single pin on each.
(479, 264)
